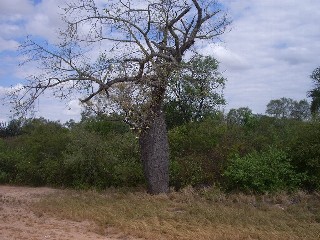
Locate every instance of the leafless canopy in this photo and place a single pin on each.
(115, 45)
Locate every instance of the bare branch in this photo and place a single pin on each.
(179, 17)
(148, 45)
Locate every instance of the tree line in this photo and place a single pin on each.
(238, 151)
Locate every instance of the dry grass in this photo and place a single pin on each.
(191, 214)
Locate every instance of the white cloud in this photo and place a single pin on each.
(46, 106)
(279, 41)
(46, 21)
(2, 91)
(8, 45)
(54, 109)
(226, 57)
(73, 108)
(5, 107)
(24, 71)
(8, 90)
(9, 30)
(14, 9)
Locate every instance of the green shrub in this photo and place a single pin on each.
(9, 157)
(7, 163)
(305, 154)
(198, 152)
(39, 153)
(104, 126)
(87, 161)
(100, 161)
(94, 154)
(189, 170)
(261, 172)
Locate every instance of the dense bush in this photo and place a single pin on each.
(305, 153)
(35, 156)
(9, 158)
(200, 150)
(261, 172)
(41, 148)
(96, 153)
(92, 160)
(104, 125)
(191, 152)
(271, 154)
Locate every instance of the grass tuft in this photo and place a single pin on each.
(190, 214)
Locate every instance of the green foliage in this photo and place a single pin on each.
(315, 92)
(86, 160)
(13, 128)
(93, 154)
(8, 160)
(301, 110)
(194, 92)
(261, 172)
(196, 154)
(101, 161)
(289, 108)
(241, 151)
(268, 131)
(105, 125)
(241, 116)
(200, 150)
(35, 156)
(305, 153)
(41, 148)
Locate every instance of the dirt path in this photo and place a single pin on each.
(17, 222)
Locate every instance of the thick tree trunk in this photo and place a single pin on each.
(155, 154)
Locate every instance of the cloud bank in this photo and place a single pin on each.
(269, 52)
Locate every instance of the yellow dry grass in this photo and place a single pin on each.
(191, 214)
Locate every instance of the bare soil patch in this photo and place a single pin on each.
(18, 222)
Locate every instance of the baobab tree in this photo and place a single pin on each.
(124, 52)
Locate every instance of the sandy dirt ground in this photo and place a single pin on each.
(18, 222)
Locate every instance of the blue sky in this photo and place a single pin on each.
(269, 53)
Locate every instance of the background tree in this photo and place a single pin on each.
(194, 91)
(315, 92)
(240, 116)
(301, 110)
(11, 129)
(280, 108)
(289, 108)
(139, 44)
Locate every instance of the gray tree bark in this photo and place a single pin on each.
(154, 149)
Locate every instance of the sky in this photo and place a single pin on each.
(269, 51)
